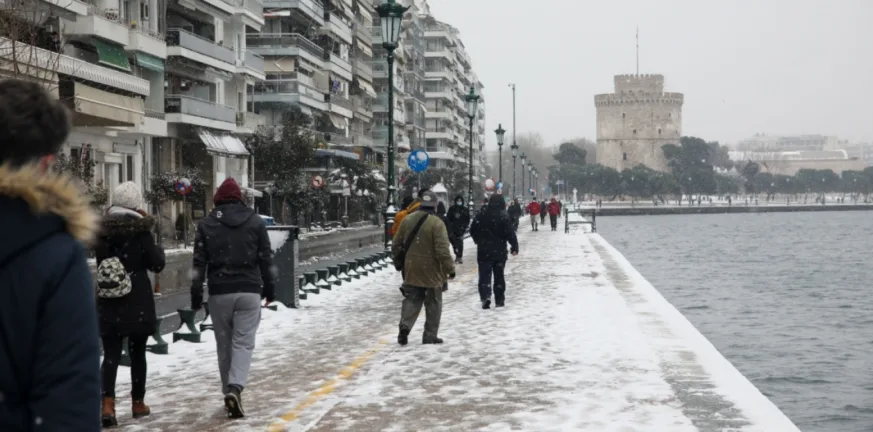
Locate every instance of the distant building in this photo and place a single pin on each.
(636, 121)
(763, 142)
(789, 162)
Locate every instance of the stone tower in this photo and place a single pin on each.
(635, 121)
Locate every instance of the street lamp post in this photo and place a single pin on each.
(523, 158)
(530, 177)
(472, 104)
(390, 18)
(514, 148)
(499, 132)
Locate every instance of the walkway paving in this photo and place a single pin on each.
(582, 345)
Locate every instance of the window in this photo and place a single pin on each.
(659, 131)
(624, 156)
(129, 163)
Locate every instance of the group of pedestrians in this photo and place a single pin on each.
(54, 318)
(425, 234)
(538, 210)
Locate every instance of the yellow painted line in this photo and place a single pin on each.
(327, 388)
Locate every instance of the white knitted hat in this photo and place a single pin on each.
(127, 195)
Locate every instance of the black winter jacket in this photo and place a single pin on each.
(492, 230)
(49, 344)
(232, 252)
(514, 210)
(458, 219)
(128, 236)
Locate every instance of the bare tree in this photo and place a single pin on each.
(30, 41)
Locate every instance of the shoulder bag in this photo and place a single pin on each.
(401, 254)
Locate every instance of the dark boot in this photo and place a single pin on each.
(486, 304)
(434, 340)
(499, 304)
(140, 409)
(403, 335)
(233, 402)
(107, 416)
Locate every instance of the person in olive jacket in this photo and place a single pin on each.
(427, 266)
(49, 342)
(127, 234)
(232, 254)
(491, 230)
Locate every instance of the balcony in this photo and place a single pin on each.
(340, 67)
(285, 44)
(362, 69)
(154, 124)
(415, 122)
(363, 108)
(338, 28)
(252, 65)
(312, 9)
(439, 114)
(194, 47)
(103, 23)
(439, 53)
(247, 122)
(362, 32)
(440, 133)
(439, 94)
(341, 105)
(75, 7)
(252, 13)
(438, 74)
(147, 41)
(199, 112)
(289, 92)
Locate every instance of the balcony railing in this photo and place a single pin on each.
(341, 101)
(181, 104)
(160, 115)
(313, 7)
(253, 6)
(148, 32)
(362, 68)
(282, 40)
(250, 120)
(362, 31)
(288, 87)
(199, 44)
(254, 61)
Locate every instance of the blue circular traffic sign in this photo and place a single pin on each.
(418, 161)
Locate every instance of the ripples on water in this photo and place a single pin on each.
(786, 297)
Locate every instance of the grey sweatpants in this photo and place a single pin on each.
(235, 318)
(415, 298)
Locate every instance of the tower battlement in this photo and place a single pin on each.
(640, 97)
(646, 83)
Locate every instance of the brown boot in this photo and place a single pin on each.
(140, 409)
(107, 415)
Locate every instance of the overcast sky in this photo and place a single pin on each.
(745, 66)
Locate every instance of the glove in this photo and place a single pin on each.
(452, 275)
(268, 294)
(196, 301)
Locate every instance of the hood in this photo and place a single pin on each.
(458, 197)
(35, 205)
(496, 201)
(414, 206)
(232, 214)
(122, 222)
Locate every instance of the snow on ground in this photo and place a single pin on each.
(584, 344)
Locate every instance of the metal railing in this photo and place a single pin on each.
(335, 58)
(199, 44)
(107, 14)
(181, 104)
(148, 32)
(249, 119)
(362, 68)
(254, 61)
(288, 87)
(282, 40)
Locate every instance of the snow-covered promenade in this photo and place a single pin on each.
(583, 344)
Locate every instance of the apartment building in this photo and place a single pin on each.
(415, 104)
(317, 57)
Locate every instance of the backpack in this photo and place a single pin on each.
(113, 281)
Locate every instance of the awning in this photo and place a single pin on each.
(338, 121)
(277, 13)
(305, 110)
(367, 88)
(111, 55)
(149, 62)
(253, 192)
(337, 153)
(223, 145)
(95, 107)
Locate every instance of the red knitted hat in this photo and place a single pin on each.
(228, 191)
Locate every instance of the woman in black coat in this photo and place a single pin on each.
(126, 234)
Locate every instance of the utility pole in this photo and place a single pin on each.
(513, 139)
(638, 50)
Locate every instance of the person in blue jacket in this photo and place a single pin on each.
(49, 349)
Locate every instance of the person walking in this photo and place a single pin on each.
(232, 253)
(514, 212)
(458, 219)
(554, 210)
(422, 246)
(533, 209)
(491, 230)
(49, 340)
(127, 237)
(544, 210)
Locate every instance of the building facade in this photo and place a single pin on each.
(635, 121)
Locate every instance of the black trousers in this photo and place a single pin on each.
(486, 270)
(136, 349)
(457, 245)
(554, 220)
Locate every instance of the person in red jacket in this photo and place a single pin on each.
(554, 210)
(534, 210)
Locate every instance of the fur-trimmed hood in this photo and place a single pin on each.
(121, 222)
(47, 193)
